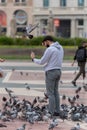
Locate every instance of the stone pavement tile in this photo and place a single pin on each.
(38, 75)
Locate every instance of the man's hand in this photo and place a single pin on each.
(2, 60)
(32, 55)
(73, 63)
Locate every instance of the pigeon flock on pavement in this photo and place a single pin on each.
(37, 110)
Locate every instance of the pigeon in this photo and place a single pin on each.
(78, 90)
(76, 116)
(85, 87)
(72, 100)
(34, 102)
(8, 90)
(46, 96)
(85, 119)
(46, 118)
(4, 99)
(41, 100)
(2, 125)
(27, 86)
(76, 127)
(77, 96)
(63, 97)
(53, 124)
(27, 74)
(6, 103)
(36, 118)
(30, 36)
(13, 69)
(29, 29)
(13, 113)
(22, 127)
(63, 115)
(61, 81)
(21, 73)
(5, 118)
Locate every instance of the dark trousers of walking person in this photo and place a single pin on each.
(81, 70)
(52, 83)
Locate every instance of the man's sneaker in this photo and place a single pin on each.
(74, 83)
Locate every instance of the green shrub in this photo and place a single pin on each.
(66, 42)
(6, 41)
(79, 40)
(37, 41)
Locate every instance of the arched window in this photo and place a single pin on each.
(21, 19)
(3, 22)
(3, 19)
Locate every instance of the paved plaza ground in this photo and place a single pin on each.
(19, 74)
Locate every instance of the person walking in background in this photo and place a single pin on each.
(52, 60)
(44, 32)
(80, 56)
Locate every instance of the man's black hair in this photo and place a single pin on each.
(50, 38)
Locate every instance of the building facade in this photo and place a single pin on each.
(62, 18)
(71, 16)
(15, 14)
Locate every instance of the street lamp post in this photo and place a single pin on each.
(50, 23)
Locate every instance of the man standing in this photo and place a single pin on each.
(52, 60)
(80, 56)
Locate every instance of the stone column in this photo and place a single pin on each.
(13, 27)
(8, 24)
(85, 28)
(73, 28)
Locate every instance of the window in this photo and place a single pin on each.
(3, 1)
(23, 1)
(45, 22)
(45, 3)
(80, 2)
(17, 1)
(62, 2)
(80, 22)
